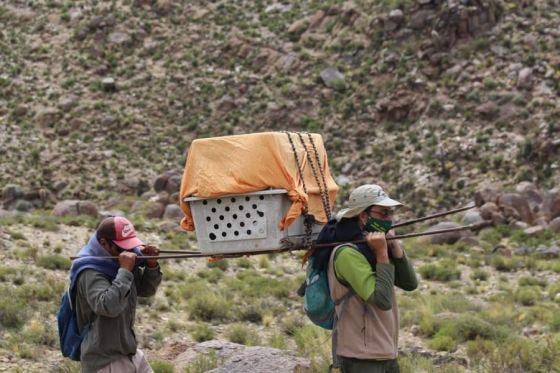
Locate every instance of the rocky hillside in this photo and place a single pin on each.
(431, 97)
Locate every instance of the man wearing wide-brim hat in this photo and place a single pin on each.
(366, 333)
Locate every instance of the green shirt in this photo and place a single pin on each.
(376, 287)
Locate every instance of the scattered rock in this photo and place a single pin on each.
(444, 238)
(47, 117)
(515, 206)
(551, 203)
(333, 78)
(173, 212)
(11, 192)
(164, 7)
(502, 250)
(108, 84)
(533, 231)
(525, 78)
(472, 217)
(524, 250)
(236, 358)
(555, 224)
(548, 252)
(487, 210)
(22, 205)
(75, 208)
(119, 38)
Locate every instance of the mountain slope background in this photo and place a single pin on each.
(99, 97)
(433, 99)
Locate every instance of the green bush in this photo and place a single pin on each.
(531, 281)
(208, 307)
(515, 354)
(504, 264)
(479, 274)
(444, 270)
(527, 296)
(203, 363)
(291, 324)
(244, 263)
(277, 340)
(212, 275)
(54, 262)
(443, 343)
(463, 328)
(242, 334)
(160, 366)
(221, 264)
(12, 309)
(202, 332)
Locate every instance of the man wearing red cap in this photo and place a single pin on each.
(105, 293)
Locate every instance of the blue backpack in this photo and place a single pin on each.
(68, 332)
(317, 302)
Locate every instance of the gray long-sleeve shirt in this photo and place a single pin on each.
(108, 309)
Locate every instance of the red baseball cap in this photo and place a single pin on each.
(125, 234)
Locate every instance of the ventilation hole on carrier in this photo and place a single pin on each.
(216, 226)
(247, 215)
(227, 208)
(212, 236)
(247, 198)
(224, 234)
(208, 218)
(213, 209)
(204, 202)
(221, 217)
(254, 206)
(219, 200)
(242, 224)
(261, 197)
(249, 232)
(261, 214)
(236, 233)
(234, 216)
(229, 225)
(232, 199)
(241, 207)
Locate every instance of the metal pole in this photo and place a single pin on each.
(233, 255)
(437, 215)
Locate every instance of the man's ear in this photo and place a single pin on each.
(105, 244)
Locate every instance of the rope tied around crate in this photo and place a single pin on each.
(309, 219)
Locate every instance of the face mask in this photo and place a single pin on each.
(378, 225)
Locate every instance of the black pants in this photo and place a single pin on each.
(351, 365)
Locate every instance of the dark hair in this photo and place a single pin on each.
(106, 229)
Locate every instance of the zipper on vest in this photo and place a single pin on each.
(364, 315)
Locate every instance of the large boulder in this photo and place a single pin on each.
(11, 192)
(531, 193)
(444, 238)
(489, 193)
(169, 181)
(551, 203)
(75, 208)
(516, 206)
(150, 209)
(236, 358)
(173, 212)
(472, 217)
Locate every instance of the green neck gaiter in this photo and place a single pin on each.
(378, 225)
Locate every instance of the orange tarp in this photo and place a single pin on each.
(249, 163)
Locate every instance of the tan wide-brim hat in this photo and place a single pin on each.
(364, 196)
